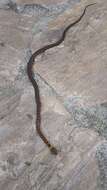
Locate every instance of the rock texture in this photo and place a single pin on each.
(72, 81)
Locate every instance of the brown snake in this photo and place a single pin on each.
(35, 85)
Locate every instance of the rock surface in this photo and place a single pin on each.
(72, 81)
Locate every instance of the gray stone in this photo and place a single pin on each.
(72, 82)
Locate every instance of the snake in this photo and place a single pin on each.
(31, 77)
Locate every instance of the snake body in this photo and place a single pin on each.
(35, 85)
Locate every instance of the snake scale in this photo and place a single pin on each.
(35, 85)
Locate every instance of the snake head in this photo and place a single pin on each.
(53, 150)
